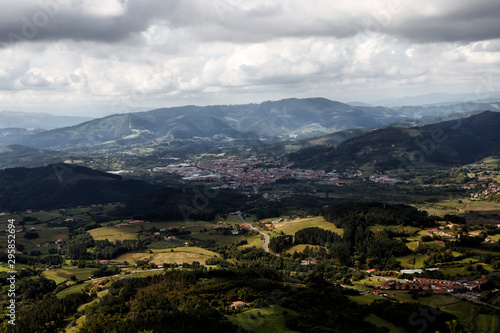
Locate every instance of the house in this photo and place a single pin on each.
(235, 232)
(411, 271)
(238, 305)
(370, 271)
(481, 280)
(157, 234)
(170, 237)
(103, 262)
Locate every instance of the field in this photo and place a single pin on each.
(179, 255)
(265, 320)
(44, 216)
(291, 227)
(487, 323)
(60, 275)
(367, 283)
(379, 322)
(73, 289)
(412, 261)
(364, 299)
(225, 239)
(300, 248)
(115, 233)
(464, 312)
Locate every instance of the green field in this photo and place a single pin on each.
(179, 255)
(364, 299)
(115, 233)
(265, 320)
(44, 216)
(291, 227)
(223, 239)
(487, 323)
(60, 275)
(412, 261)
(379, 322)
(301, 248)
(464, 311)
(45, 235)
(73, 289)
(367, 283)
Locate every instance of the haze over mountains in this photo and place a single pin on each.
(36, 120)
(272, 121)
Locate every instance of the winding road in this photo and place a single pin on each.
(266, 236)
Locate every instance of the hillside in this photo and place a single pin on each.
(59, 185)
(447, 143)
(233, 125)
(21, 156)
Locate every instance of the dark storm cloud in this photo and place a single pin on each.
(50, 20)
(460, 21)
(252, 21)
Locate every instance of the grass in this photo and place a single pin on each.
(379, 322)
(464, 311)
(271, 320)
(115, 233)
(44, 216)
(291, 227)
(301, 248)
(60, 275)
(222, 239)
(74, 289)
(257, 241)
(179, 255)
(412, 261)
(364, 299)
(45, 235)
(487, 323)
(368, 282)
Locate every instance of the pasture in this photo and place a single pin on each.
(178, 255)
(291, 227)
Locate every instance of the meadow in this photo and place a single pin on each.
(178, 255)
(291, 227)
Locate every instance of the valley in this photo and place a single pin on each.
(353, 219)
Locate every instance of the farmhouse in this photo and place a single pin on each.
(238, 305)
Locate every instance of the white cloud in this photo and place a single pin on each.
(158, 53)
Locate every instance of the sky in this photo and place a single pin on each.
(98, 57)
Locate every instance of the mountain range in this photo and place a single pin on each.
(449, 143)
(229, 125)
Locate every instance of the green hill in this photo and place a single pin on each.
(59, 185)
(447, 143)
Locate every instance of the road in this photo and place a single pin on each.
(266, 236)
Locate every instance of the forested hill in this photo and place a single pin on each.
(447, 143)
(59, 185)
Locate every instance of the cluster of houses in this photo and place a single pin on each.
(236, 173)
(234, 231)
(483, 190)
(376, 178)
(427, 285)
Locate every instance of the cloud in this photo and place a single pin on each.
(156, 52)
(241, 21)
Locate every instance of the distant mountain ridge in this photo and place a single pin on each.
(35, 120)
(454, 142)
(267, 122)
